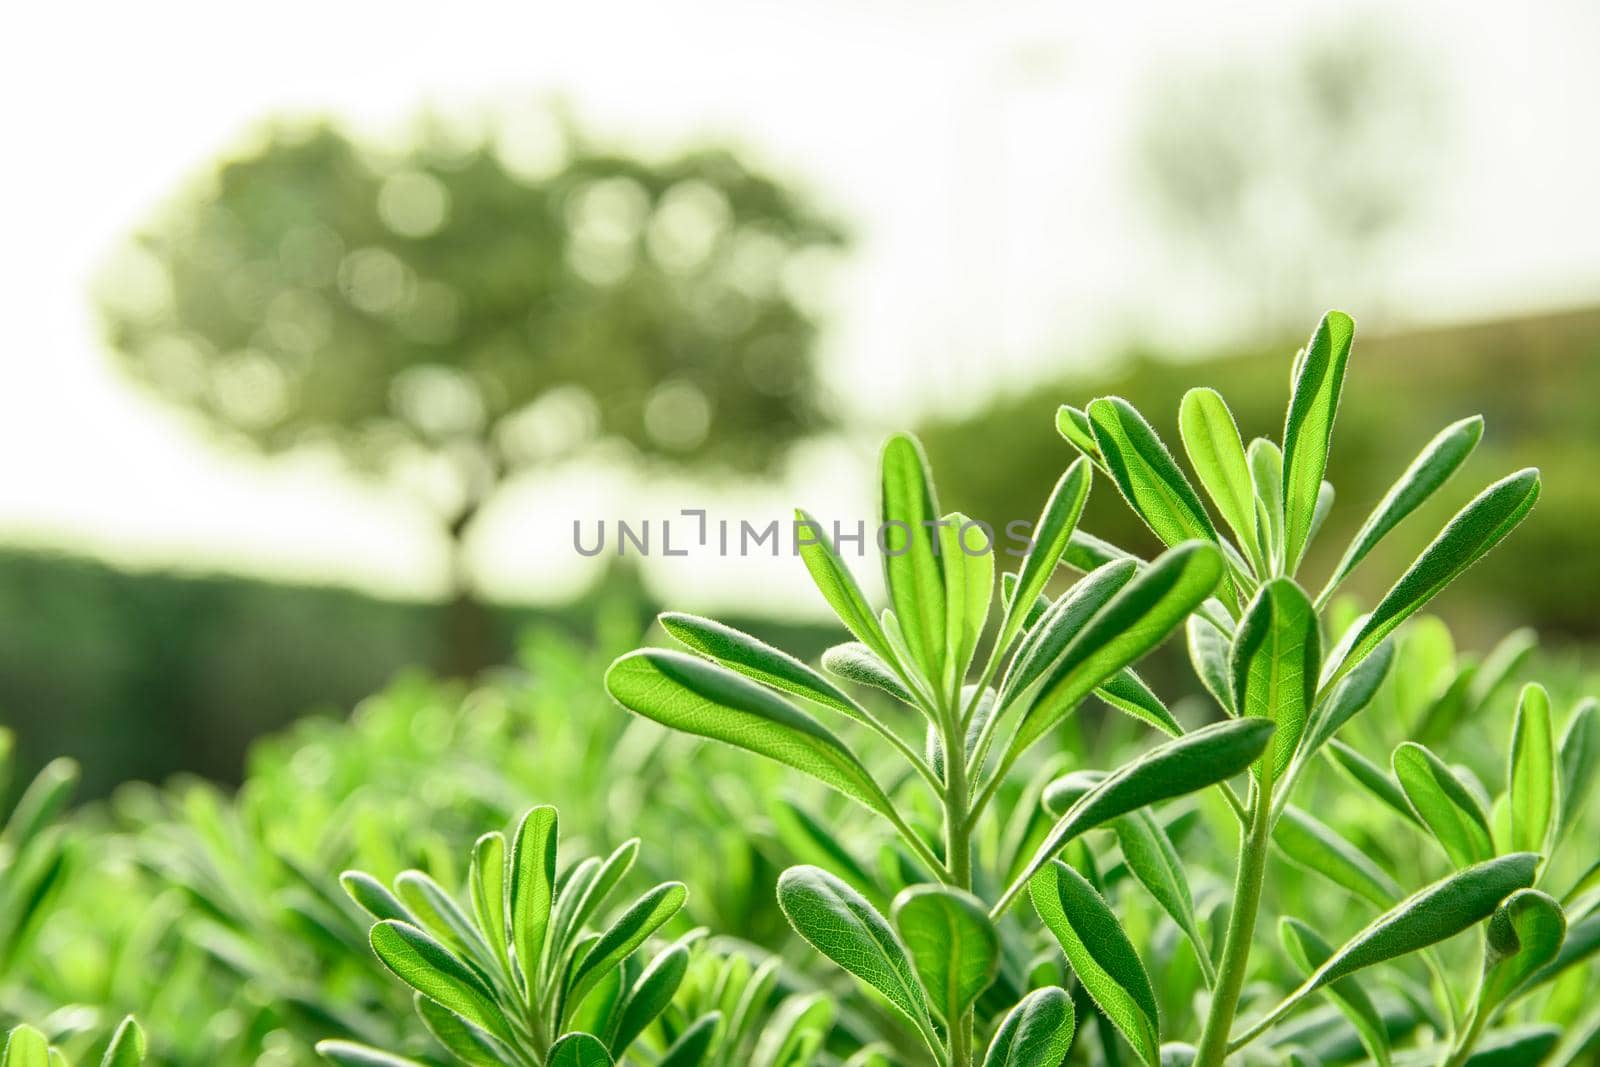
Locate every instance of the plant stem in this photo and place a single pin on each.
(1255, 842)
(957, 852)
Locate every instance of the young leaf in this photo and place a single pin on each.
(836, 584)
(1050, 537)
(1371, 777)
(754, 659)
(699, 698)
(1425, 918)
(466, 1042)
(647, 915)
(911, 566)
(1061, 622)
(1430, 470)
(1127, 692)
(1073, 425)
(373, 898)
(855, 662)
(1211, 438)
(1525, 934)
(26, 1047)
(1204, 757)
(1444, 804)
(1308, 428)
(1273, 664)
(1101, 955)
(1147, 475)
(1580, 756)
(796, 1031)
(533, 881)
(487, 879)
(839, 923)
(1318, 847)
(579, 1050)
(432, 970)
(1135, 620)
(1532, 777)
(692, 1047)
(1008, 593)
(1153, 860)
(648, 997)
(966, 555)
(1266, 473)
(1208, 653)
(1036, 1033)
(1353, 693)
(1476, 529)
(1309, 951)
(953, 945)
(127, 1048)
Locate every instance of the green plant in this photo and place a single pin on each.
(1284, 677)
(27, 1047)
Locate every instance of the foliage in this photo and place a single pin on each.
(1286, 680)
(979, 837)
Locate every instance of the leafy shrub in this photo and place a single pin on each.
(952, 953)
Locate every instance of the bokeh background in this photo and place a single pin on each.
(325, 323)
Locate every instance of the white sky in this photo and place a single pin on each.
(978, 148)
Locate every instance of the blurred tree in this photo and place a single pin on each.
(470, 307)
(1286, 179)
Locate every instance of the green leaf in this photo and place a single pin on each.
(1517, 1046)
(1308, 428)
(1073, 425)
(911, 567)
(1425, 918)
(1138, 618)
(1051, 534)
(1580, 756)
(1100, 954)
(1430, 470)
(1347, 699)
(533, 880)
(1209, 755)
(1525, 934)
(695, 1043)
(966, 555)
(1208, 654)
(1008, 593)
(836, 584)
(1266, 473)
(1371, 777)
(1318, 847)
(1444, 804)
(696, 697)
(796, 1031)
(1273, 664)
(953, 945)
(127, 1048)
(373, 898)
(646, 915)
(466, 1042)
(1532, 776)
(1153, 860)
(757, 660)
(649, 996)
(1036, 1033)
(1211, 438)
(352, 1054)
(1127, 692)
(26, 1047)
(1061, 622)
(1476, 529)
(432, 970)
(487, 879)
(1309, 951)
(579, 1050)
(45, 798)
(855, 662)
(1147, 475)
(840, 923)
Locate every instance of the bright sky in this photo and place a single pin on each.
(979, 148)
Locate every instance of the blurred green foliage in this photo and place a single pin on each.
(1400, 391)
